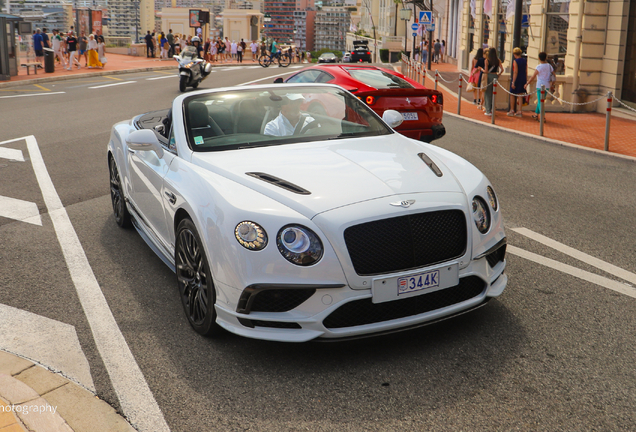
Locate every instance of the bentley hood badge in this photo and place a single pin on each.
(405, 203)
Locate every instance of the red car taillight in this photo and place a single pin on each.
(368, 53)
(437, 99)
(370, 100)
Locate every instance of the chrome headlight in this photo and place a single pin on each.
(250, 235)
(492, 198)
(299, 245)
(481, 215)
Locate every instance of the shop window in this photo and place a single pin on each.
(556, 37)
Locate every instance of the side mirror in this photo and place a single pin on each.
(278, 80)
(144, 140)
(392, 118)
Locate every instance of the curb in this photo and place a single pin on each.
(529, 135)
(40, 400)
(46, 79)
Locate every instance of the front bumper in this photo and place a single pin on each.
(314, 318)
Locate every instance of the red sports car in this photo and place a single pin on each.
(383, 89)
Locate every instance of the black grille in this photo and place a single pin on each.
(496, 257)
(271, 324)
(280, 300)
(360, 312)
(406, 242)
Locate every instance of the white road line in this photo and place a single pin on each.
(261, 79)
(573, 271)
(111, 85)
(29, 95)
(11, 154)
(581, 256)
(135, 397)
(162, 77)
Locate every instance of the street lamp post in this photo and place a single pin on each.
(405, 15)
(375, 40)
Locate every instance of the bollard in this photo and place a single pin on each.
(542, 110)
(436, 72)
(459, 94)
(608, 116)
(494, 98)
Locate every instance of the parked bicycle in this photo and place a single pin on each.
(267, 59)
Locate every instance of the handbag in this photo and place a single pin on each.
(469, 87)
(103, 60)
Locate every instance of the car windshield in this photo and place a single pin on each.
(278, 115)
(328, 55)
(378, 78)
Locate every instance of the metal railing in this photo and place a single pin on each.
(416, 71)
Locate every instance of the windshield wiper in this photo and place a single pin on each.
(249, 146)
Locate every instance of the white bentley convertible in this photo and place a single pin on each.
(294, 212)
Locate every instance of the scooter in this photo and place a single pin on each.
(192, 69)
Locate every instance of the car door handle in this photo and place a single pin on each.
(171, 197)
(131, 150)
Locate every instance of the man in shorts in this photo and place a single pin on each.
(83, 50)
(254, 48)
(38, 45)
(58, 42)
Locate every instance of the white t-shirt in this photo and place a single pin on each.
(543, 76)
(254, 47)
(57, 42)
(280, 126)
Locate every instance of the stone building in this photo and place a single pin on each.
(591, 44)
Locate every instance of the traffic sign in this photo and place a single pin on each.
(425, 17)
(414, 26)
(429, 27)
(414, 34)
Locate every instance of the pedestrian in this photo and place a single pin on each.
(234, 50)
(243, 50)
(163, 41)
(93, 57)
(494, 69)
(170, 38)
(214, 47)
(443, 51)
(183, 41)
(479, 63)
(101, 50)
(254, 49)
(45, 39)
(437, 48)
(239, 52)
(228, 49)
(83, 42)
(38, 46)
(71, 43)
(302, 56)
(517, 82)
(543, 72)
(58, 41)
(150, 48)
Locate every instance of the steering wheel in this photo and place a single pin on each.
(309, 126)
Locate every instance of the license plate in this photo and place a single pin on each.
(418, 282)
(409, 116)
(398, 287)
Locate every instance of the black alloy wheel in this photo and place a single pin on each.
(196, 288)
(122, 217)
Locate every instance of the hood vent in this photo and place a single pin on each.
(432, 165)
(279, 182)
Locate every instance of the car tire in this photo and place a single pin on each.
(122, 217)
(194, 280)
(183, 83)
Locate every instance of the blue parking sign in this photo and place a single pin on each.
(425, 17)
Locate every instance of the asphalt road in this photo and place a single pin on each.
(554, 352)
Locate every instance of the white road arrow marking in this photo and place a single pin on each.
(16, 209)
(11, 154)
(45, 341)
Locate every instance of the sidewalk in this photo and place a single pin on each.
(584, 129)
(33, 399)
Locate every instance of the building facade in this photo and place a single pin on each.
(304, 23)
(131, 18)
(591, 44)
(49, 14)
(330, 28)
(281, 26)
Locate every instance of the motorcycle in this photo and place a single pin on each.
(192, 69)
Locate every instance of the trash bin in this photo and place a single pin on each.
(49, 60)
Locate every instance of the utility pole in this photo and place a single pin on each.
(516, 35)
(429, 49)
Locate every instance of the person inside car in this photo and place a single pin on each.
(290, 121)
